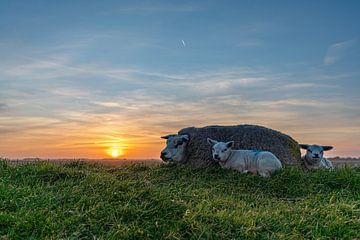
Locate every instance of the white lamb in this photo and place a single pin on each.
(314, 157)
(257, 162)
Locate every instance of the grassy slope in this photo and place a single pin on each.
(77, 200)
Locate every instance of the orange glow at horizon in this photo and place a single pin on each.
(135, 141)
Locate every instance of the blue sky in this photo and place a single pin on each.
(77, 77)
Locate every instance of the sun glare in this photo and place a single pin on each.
(115, 152)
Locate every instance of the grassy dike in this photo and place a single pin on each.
(89, 201)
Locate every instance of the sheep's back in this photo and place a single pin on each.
(249, 137)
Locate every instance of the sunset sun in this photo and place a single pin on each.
(115, 152)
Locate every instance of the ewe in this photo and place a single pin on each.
(314, 159)
(257, 162)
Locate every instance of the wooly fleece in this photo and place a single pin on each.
(250, 137)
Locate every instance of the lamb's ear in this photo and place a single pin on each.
(185, 137)
(327, 148)
(304, 146)
(167, 136)
(230, 144)
(211, 142)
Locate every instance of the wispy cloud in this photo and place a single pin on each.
(303, 86)
(153, 8)
(245, 43)
(3, 108)
(336, 51)
(59, 67)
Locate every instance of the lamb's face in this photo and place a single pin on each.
(220, 150)
(175, 148)
(315, 152)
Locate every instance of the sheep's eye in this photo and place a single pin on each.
(321, 151)
(224, 150)
(176, 144)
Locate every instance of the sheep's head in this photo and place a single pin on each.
(175, 148)
(315, 152)
(220, 150)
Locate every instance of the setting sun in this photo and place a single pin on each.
(115, 153)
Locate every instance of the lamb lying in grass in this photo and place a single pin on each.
(257, 162)
(314, 159)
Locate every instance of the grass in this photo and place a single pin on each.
(88, 201)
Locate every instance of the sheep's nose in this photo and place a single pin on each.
(216, 156)
(316, 155)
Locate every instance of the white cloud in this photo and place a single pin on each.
(54, 67)
(107, 104)
(336, 51)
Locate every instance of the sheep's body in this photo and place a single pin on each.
(252, 137)
(257, 162)
(311, 164)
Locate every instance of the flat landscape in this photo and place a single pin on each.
(107, 162)
(337, 161)
(80, 200)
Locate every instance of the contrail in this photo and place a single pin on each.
(183, 42)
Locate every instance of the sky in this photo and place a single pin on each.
(91, 79)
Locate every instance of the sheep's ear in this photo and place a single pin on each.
(327, 148)
(304, 146)
(211, 142)
(185, 137)
(167, 136)
(230, 144)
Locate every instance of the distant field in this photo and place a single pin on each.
(79, 200)
(109, 162)
(345, 161)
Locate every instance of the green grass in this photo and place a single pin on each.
(85, 201)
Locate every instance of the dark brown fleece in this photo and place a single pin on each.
(252, 137)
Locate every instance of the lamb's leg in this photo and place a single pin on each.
(328, 164)
(249, 172)
(265, 173)
(268, 164)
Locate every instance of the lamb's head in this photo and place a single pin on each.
(315, 152)
(220, 150)
(175, 148)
